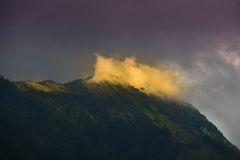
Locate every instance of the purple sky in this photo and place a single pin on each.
(56, 39)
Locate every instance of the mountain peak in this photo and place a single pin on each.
(80, 120)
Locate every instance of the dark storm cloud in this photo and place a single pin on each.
(56, 39)
(125, 15)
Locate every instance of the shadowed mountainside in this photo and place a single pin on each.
(80, 120)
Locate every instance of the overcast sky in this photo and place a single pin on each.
(57, 39)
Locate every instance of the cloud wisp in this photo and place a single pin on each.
(230, 57)
(150, 80)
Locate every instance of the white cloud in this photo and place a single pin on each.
(230, 57)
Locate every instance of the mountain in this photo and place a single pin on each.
(81, 120)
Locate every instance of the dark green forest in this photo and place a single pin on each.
(87, 121)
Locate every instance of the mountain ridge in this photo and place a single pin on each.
(111, 121)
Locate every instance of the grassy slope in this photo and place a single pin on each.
(78, 120)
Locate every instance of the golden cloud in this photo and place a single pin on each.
(148, 79)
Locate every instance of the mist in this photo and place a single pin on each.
(128, 71)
